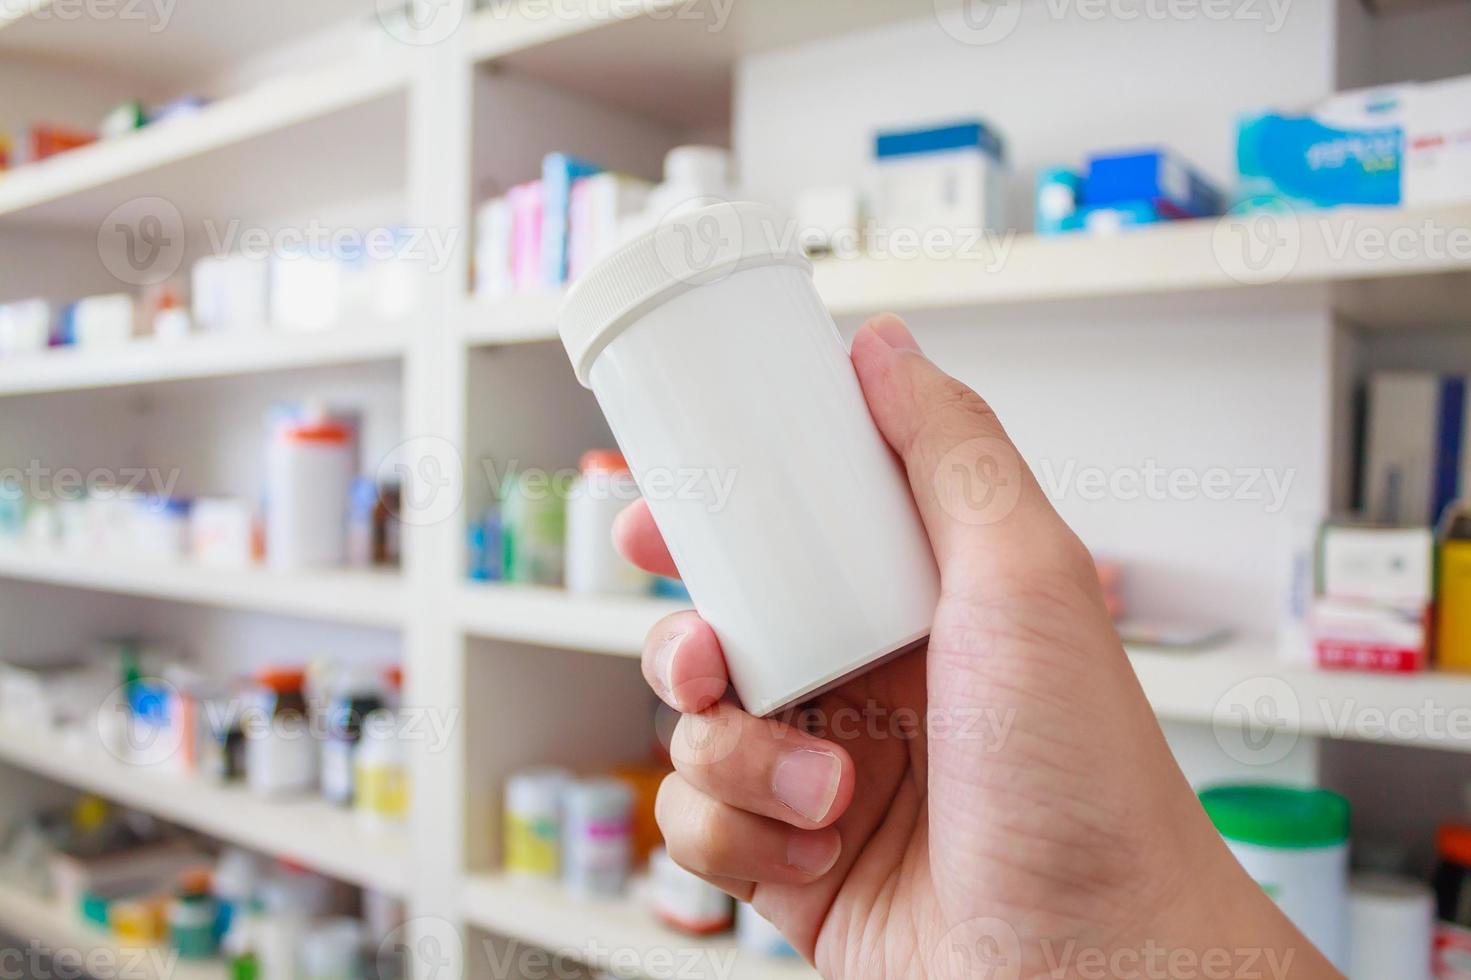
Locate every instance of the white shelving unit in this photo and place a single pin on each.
(477, 375)
(310, 831)
(612, 934)
(366, 598)
(78, 943)
(151, 362)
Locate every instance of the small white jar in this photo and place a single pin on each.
(731, 393)
(603, 488)
(597, 836)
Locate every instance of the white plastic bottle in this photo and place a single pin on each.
(604, 487)
(731, 393)
(309, 472)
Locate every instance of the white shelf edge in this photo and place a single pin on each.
(310, 831)
(269, 107)
(148, 361)
(611, 933)
(1212, 686)
(64, 933)
(550, 617)
(517, 319)
(362, 597)
(1158, 260)
(1173, 257)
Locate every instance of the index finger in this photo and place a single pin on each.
(637, 538)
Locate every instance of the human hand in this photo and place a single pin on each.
(1000, 805)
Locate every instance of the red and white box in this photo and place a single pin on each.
(1366, 636)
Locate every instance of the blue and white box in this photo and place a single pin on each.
(1347, 150)
(1156, 177)
(949, 177)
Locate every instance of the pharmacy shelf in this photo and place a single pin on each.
(309, 831)
(73, 942)
(615, 934)
(1179, 259)
(1222, 686)
(1424, 279)
(168, 45)
(552, 617)
(665, 59)
(517, 319)
(360, 597)
(203, 356)
(337, 131)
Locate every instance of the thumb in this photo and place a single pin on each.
(984, 510)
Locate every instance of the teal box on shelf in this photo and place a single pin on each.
(1347, 150)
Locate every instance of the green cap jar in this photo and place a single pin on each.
(1285, 817)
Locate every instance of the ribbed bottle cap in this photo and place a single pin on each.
(686, 249)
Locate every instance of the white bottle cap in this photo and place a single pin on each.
(536, 790)
(704, 169)
(686, 250)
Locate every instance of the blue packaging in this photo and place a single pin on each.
(1164, 180)
(1348, 150)
(969, 135)
(1055, 205)
(558, 171)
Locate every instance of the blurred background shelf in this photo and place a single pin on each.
(546, 616)
(164, 43)
(606, 933)
(1221, 685)
(76, 942)
(1429, 288)
(332, 129)
(310, 831)
(366, 598)
(665, 59)
(203, 356)
(516, 319)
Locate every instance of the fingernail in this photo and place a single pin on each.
(664, 661)
(807, 781)
(894, 332)
(814, 853)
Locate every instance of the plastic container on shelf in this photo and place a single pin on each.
(597, 836)
(806, 555)
(280, 754)
(532, 821)
(193, 916)
(1294, 843)
(380, 772)
(603, 488)
(533, 528)
(686, 902)
(309, 471)
(1452, 883)
(355, 694)
(1391, 927)
(332, 950)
